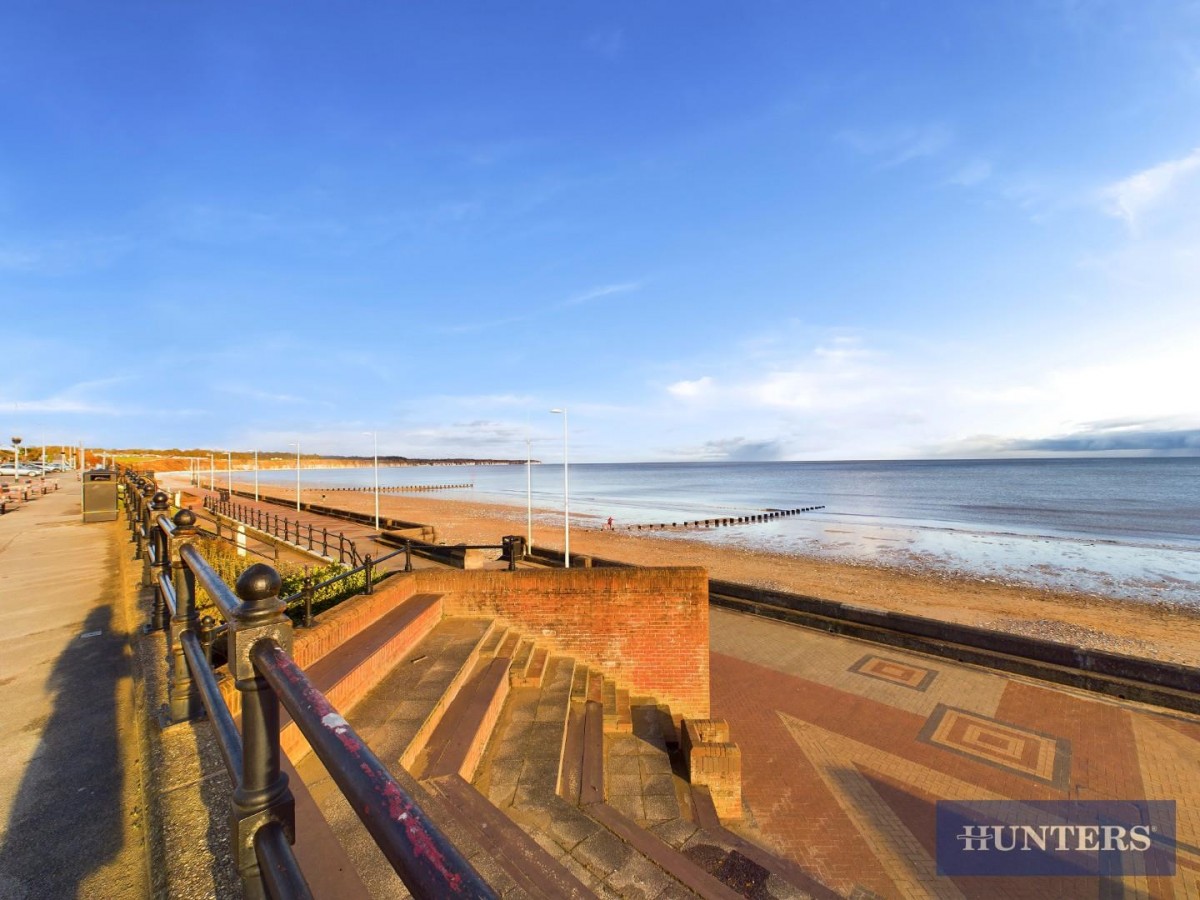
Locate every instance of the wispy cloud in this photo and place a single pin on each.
(251, 393)
(606, 290)
(1135, 197)
(734, 449)
(899, 146)
(60, 256)
(1119, 438)
(973, 173)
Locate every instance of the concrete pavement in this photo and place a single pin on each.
(71, 783)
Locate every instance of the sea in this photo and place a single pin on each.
(1127, 528)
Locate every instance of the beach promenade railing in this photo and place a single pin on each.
(258, 648)
(304, 535)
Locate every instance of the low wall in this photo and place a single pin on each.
(1129, 677)
(647, 629)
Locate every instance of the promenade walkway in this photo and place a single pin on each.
(847, 746)
(71, 818)
(365, 537)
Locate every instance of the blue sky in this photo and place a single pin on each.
(765, 230)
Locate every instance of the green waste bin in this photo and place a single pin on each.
(99, 495)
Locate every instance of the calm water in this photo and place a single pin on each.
(1117, 527)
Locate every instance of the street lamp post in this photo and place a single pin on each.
(212, 473)
(375, 436)
(16, 443)
(529, 493)
(229, 471)
(255, 476)
(296, 444)
(566, 495)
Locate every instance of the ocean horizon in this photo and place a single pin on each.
(1127, 528)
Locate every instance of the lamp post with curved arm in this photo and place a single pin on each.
(296, 444)
(375, 436)
(566, 494)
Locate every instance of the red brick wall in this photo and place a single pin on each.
(647, 629)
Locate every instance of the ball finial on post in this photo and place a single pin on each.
(258, 589)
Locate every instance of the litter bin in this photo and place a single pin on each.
(99, 495)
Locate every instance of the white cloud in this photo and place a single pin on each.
(692, 389)
(1136, 197)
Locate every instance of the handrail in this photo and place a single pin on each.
(427, 863)
(229, 739)
(223, 597)
(258, 640)
(291, 527)
(277, 863)
(216, 536)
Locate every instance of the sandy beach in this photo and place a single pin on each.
(1149, 629)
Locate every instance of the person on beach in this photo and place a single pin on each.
(610, 523)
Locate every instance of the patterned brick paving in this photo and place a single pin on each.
(847, 748)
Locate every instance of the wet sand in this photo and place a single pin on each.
(1146, 629)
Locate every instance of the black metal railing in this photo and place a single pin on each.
(331, 545)
(258, 641)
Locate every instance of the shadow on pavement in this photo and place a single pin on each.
(67, 817)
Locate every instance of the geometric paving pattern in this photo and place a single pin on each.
(844, 758)
(1031, 754)
(903, 674)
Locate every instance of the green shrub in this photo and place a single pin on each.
(228, 565)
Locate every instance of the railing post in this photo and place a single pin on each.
(310, 535)
(324, 541)
(307, 592)
(162, 559)
(407, 555)
(146, 533)
(183, 702)
(140, 495)
(206, 632)
(370, 586)
(262, 795)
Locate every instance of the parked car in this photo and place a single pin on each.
(20, 471)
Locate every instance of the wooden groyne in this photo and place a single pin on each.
(766, 516)
(401, 488)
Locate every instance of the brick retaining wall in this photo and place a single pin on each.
(647, 629)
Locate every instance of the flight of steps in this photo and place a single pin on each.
(547, 775)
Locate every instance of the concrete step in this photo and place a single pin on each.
(520, 662)
(595, 687)
(401, 712)
(537, 667)
(508, 647)
(350, 670)
(456, 745)
(523, 774)
(616, 708)
(530, 675)
(579, 684)
(529, 865)
(491, 645)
